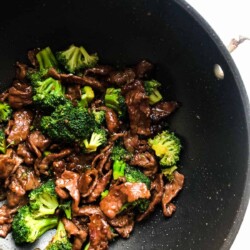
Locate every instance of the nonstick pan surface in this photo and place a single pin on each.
(213, 121)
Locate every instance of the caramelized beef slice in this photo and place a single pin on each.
(21, 126)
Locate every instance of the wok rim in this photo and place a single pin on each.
(200, 20)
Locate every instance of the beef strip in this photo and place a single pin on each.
(123, 224)
(4, 95)
(143, 69)
(42, 165)
(9, 162)
(170, 191)
(133, 144)
(100, 187)
(87, 182)
(21, 71)
(99, 70)
(138, 109)
(112, 121)
(162, 110)
(23, 180)
(38, 142)
(99, 233)
(79, 233)
(6, 218)
(156, 191)
(121, 77)
(20, 95)
(81, 80)
(89, 210)
(120, 194)
(73, 92)
(32, 57)
(146, 161)
(67, 186)
(24, 152)
(20, 126)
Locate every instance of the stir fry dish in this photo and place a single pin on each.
(85, 149)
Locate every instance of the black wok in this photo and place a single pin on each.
(213, 121)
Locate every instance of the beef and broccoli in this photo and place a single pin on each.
(85, 149)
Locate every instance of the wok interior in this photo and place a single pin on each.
(211, 121)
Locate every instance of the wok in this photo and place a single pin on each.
(213, 121)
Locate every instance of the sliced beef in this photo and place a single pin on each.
(76, 231)
(143, 69)
(121, 77)
(73, 92)
(112, 121)
(38, 142)
(138, 109)
(170, 191)
(21, 71)
(100, 187)
(42, 165)
(120, 194)
(81, 80)
(20, 126)
(123, 224)
(99, 233)
(89, 210)
(162, 110)
(9, 163)
(99, 70)
(147, 162)
(6, 218)
(24, 152)
(156, 191)
(87, 182)
(32, 57)
(67, 186)
(20, 95)
(23, 180)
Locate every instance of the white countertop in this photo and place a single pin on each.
(231, 19)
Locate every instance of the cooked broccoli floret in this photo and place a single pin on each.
(167, 147)
(168, 172)
(75, 58)
(87, 96)
(99, 116)
(2, 142)
(115, 100)
(66, 207)
(46, 60)
(141, 205)
(43, 200)
(98, 138)
(68, 123)
(49, 93)
(151, 88)
(120, 153)
(133, 174)
(5, 112)
(86, 246)
(60, 240)
(27, 229)
(118, 169)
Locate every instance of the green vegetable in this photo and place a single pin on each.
(46, 60)
(120, 153)
(2, 142)
(27, 229)
(86, 97)
(43, 200)
(5, 112)
(98, 138)
(60, 240)
(115, 100)
(99, 116)
(168, 172)
(104, 193)
(118, 169)
(167, 147)
(49, 93)
(75, 58)
(66, 207)
(68, 123)
(151, 88)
